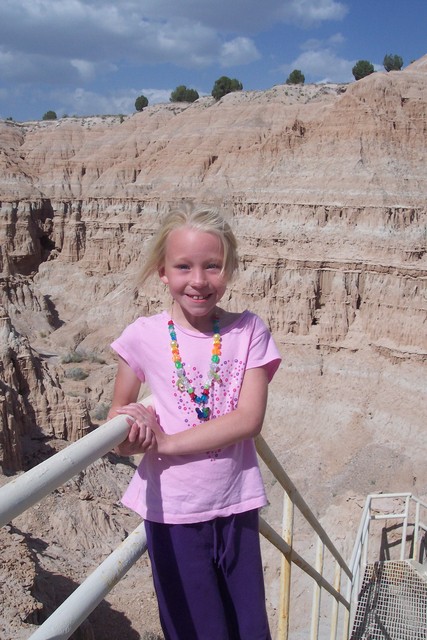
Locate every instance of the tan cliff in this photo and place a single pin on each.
(326, 189)
(33, 406)
(349, 144)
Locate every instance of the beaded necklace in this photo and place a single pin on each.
(184, 384)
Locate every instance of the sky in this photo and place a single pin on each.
(95, 57)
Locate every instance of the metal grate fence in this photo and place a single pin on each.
(392, 603)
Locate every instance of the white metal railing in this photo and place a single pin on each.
(401, 509)
(27, 489)
(74, 611)
(342, 574)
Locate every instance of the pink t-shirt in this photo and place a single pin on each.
(195, 488)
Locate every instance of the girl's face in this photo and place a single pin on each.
(192, 271)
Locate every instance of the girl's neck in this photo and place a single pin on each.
(201, 324)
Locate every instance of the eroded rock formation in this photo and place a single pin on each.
(34, 408)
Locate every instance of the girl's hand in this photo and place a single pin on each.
(143, 429)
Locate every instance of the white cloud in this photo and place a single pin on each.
(314, 44)
(95, 30)
(238, 51)
(155, 96)
(6, 63)
(323, 65)
(319, 61)
(236, 16)
(336, 39)
(184, 43)
(19, 67)
(310, 12)
(86, 69)
(83, 102)
(85, 43)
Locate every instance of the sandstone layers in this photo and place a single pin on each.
(326, 189)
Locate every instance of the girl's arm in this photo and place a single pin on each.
(242, 423)
(126, 389)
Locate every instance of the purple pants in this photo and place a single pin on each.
(208, 578)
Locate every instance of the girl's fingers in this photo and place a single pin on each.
(146, 437)
(133, 432)
(144, 427)
(141, 414)
(134, 409)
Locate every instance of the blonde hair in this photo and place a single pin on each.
(205, 219)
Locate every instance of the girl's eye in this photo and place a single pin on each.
(182, 267)
(214, 265)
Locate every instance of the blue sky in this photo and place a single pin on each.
(87, 57)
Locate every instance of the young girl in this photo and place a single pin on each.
(198, 486)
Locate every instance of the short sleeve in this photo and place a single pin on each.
(263, 351)
(126, 346)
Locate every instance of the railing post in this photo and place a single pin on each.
(405, 529)
(286, 568)
(365, 547)
(70, 614)
(334, 612)
(416, 533)
(317, 591)
(346, 625)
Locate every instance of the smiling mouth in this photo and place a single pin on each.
(199, 297)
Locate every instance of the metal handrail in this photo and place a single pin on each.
(361, 547)
(360, 555)
(275, 539)
(294, 498)
(80, 604)
(27, 489)
(280, 474)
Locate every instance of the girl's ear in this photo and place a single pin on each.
(163, 277)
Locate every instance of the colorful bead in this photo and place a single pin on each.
(183, 383)
(203, 413)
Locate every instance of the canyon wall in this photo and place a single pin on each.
(326, 189)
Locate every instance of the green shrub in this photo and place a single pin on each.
(140, 103)
(295, 77)
(392, 63)
(94, 357)
(80, 356)
(50, 115)
(225, 85)
(73, 356)
(76, 374)
(100, 412)
(183, 94)
(362, 68)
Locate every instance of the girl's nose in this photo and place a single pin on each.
(198, 278)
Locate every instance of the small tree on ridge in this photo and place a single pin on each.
(392, 63)
(362, 68)
(295, 77)
(50, 115)
(225, 85)
(140, 103)
(183, 94)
